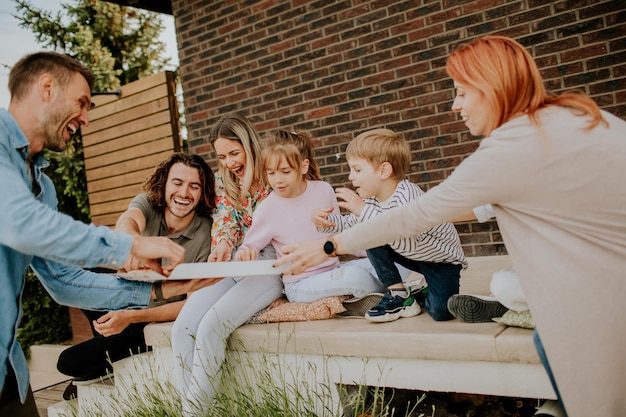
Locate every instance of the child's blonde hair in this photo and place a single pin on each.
(294, 148)
(382, 145)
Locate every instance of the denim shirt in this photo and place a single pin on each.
(33, 231)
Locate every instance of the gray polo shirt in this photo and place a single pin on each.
(196, 239)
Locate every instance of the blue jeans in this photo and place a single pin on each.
(442, 278)
(544, 361)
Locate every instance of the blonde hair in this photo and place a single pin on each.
(382, 145)
(507, 75)
(236, 127)
(294, 148)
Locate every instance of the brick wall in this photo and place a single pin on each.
(337, 68)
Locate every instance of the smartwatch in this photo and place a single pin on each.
(330, 248)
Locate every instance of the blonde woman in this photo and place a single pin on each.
(208, 318)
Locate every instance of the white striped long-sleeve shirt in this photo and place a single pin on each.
(439, 244)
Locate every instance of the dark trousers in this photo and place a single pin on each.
(442, 278)
(10, 404)
(92, 358)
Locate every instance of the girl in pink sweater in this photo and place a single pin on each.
(284, 217)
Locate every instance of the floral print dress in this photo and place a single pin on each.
(230, 223)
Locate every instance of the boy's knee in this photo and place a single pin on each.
(439, 313)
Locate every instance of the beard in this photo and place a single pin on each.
(52, 126)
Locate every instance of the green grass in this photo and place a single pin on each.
(263, 386)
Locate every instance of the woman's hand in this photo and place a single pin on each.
(303, 256)
(221, 253)
(319, 217)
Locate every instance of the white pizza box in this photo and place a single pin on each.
(200, 270)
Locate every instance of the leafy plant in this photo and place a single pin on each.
(44, 321)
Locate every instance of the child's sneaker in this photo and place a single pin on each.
(357, 307)
(392, 307)
(418, 292)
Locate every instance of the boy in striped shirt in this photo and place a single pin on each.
(379, 160)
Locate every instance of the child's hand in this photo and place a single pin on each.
(247, 255)
(319, 218)
(349, 200)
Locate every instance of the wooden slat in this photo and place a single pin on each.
(126, 191)
(124, 155)
(133, 165)
(151, 106)
(127, 128)
(128, 103)
(110, 207)
(139, 138)
(128, 90)
(106, 220)
(112, 183)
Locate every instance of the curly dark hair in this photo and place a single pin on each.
(155, 184)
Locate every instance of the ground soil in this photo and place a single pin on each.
(402, 403)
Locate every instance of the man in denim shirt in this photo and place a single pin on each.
(50, 97)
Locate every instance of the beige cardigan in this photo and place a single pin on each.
(560, 203)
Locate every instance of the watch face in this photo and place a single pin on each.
(329, 248)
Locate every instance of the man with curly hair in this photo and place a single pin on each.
(177, 203)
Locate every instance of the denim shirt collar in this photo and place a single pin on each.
(19, 141)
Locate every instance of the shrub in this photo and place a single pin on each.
(44, 321)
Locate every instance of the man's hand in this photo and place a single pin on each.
(319, 217)
(150, 249)
(247, 255)
(184, 286)
(132, 264)
(221, 253)
(304, 255)
(349, 200)
(113, 322)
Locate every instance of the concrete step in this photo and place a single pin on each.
(97, 398)
(132, 376)
(42, 366)
(63, 409)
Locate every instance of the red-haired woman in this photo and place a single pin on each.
(553, 167)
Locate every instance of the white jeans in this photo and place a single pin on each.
(201, 331)
(356, 278)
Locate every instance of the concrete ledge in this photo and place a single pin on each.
(42, 366)
(413, 353)
(410, 338)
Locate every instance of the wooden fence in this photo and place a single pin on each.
(125, 140)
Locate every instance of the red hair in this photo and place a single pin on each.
(502, 70)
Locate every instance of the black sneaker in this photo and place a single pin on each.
(392, 307)
(70, 392)
(475, 309)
